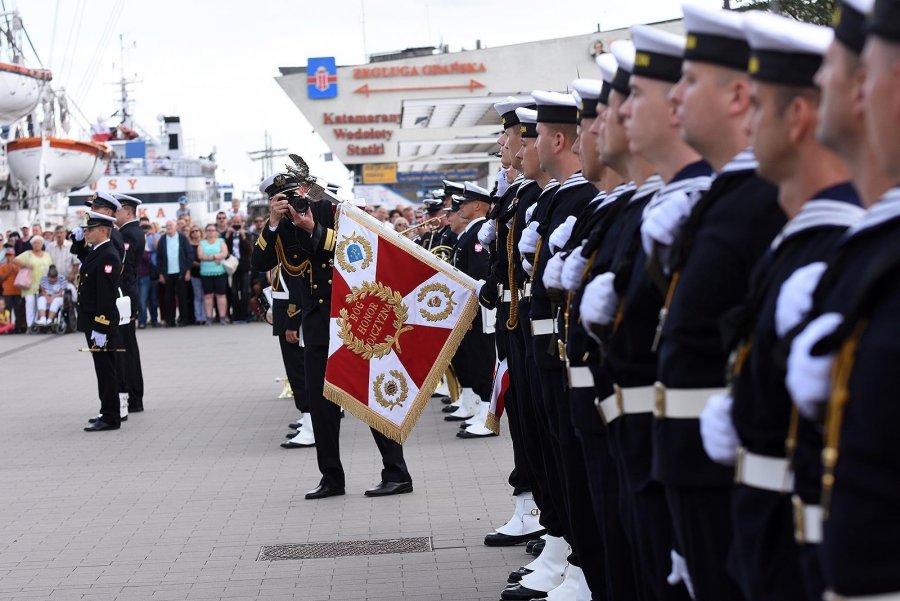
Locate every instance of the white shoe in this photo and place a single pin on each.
(123, 405)
(525, 521)
(568, 589)
(550, 566)
(467, 406)
(305, 435)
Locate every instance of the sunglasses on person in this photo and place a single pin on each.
(145, 226)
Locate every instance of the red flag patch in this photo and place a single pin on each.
(478, 247)
(107, 269)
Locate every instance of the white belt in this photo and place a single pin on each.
(580, 377)
(542, 327)
(627, 401)
(681, 403)
(280, 294)
(524, 293)
(762, 472)
(832, 596)
(807, 522)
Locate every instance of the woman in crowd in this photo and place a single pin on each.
(212, 252)
(199, 310)
(8, 271)
(39, 261)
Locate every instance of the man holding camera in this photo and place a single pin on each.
(314, 231)
(276, 249)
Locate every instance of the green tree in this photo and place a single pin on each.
(812, 11)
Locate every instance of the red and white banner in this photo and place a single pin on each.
(398, 313)
(498, 398)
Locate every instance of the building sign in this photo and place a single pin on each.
(454, 68)
(321, 77)
(379, 173)
(428, 179)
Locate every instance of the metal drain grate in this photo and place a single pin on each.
(349, 548)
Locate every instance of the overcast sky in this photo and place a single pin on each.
(213, 61)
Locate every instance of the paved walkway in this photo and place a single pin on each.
(178, 503)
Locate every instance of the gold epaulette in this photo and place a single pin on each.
(102, 319)
(293, 269)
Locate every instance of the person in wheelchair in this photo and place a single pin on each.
(50, 297)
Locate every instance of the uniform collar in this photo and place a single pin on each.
(886, 209)
(837, 206)
(473, 222)
(96, 246)
(744, 161)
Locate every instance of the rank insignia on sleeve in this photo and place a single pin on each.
(107, 269)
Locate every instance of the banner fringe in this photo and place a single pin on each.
(492, 423)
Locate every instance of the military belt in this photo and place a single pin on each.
(280, 294)
(763, 472)
(681, 403)
(626, 401)
(580, 377)
(832, 596)
(807, 522)
(542, 327)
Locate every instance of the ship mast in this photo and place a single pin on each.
(126, 118)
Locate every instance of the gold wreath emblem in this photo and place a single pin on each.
(353, 244)
(443, 298)
(393, 393)
(379, 349)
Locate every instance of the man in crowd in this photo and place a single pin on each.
(173, 259)
(240, 246)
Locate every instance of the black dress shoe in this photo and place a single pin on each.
(323, 491)
(389, 488)
(135, 408)
(100, 426)
(466, 435)
(94, 420)
(497, 539)
(521, 593)
(294, 425)
(538, 548)
(530, 544)
(449, 409)
(290, 434)
(446, 400)
(289, 444)
(454, 418)
(517, 575)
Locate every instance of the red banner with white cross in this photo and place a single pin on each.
(398, 314)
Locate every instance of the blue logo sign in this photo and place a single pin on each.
(354, 253)
(321, 77)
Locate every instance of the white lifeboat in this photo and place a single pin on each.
(20, 91)
(68, 164)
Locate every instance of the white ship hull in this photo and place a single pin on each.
(20, 91)
(67, 164)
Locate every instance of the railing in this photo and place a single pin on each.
(164, 167)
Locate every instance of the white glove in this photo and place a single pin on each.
(553, 271)
(600, 301)
(573, 269)
(795, 297)
(530, 211)
(488, 232)
(680, 573)
(78, 232)
(502, 182)
(561, 235)
(528, 267)
(720, 439)
(478, 286)
(809, 378)
(529, 240)
(661, 223)
(98, 338)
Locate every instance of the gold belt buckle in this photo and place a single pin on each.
(562, 351)
(620, 399)
(659, 405)
(739, 465)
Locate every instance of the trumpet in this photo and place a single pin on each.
(418, 225)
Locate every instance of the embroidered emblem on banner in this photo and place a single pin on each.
(365, 324)
(351, 250)
(390, 392)
(438, 301)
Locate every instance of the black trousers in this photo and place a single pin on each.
(701, 518)
(107, 384)
(765, 558)
(548, 385)
(326, 418)
(128, 367)
(176, 295)
(474, 363)
(240, 295)
(293, 357)
(520, 477)
(603, 484)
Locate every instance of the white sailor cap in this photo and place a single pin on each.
(850, 23)
(586, 92)
(715, 36)
(127, 200)
(623, 52)
(93, 219)
(475, 192)
(555, 107)
(658, 53)
(103, 200)
(784, 51)
(527, 122)
(607, 64)
(507, 109)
